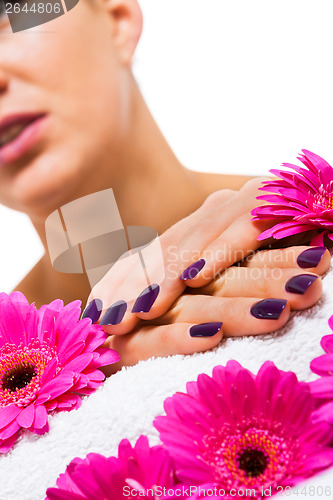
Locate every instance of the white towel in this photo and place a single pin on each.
(125, 406)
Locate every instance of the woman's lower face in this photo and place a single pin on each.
(67, 74)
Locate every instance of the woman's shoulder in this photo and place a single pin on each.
(44, 284)
(215, 182)
(32, 284)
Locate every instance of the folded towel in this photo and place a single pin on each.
(127, 403)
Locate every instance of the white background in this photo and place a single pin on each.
(237, 86)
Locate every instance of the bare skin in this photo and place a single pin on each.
(43, 284)
(99, 133)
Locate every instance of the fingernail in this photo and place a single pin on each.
(205, 329)
(192, 270)
(93, 310)
(268, 308)
(310, 257)
(299, 284)
(114, 314)
(146, 299)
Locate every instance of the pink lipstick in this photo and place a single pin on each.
(19, 133)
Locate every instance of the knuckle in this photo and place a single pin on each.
(261, 280)
(218, 197)
(126, 346)
(181, 304)
(164, 337)
(220, 284)
(253, 184)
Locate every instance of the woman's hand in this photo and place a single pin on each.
(194, 250)
(255, 298)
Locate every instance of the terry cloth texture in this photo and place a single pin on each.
(125, 406)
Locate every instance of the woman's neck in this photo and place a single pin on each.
(151, 188)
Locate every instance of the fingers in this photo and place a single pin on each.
(313, 259)
(130, 282)
(133, 291)
(268, 273)
(240, 316)
(300, 289)
(194, 323)
(165, 340)
(235, 234)
(237, 242)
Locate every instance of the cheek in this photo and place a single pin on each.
(72, 69)
(72, 73)
(86, 86)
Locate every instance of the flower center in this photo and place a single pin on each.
(21, 369)
(253, 453)
(327, 202)
(253, 462)
(20, 376)
(324, 199)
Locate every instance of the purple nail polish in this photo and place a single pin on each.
(299, 284)
(268, 308)
(114, 314)
(192, 270)
(93, 310)
(146, 299)
(310, 257)
(205, 329)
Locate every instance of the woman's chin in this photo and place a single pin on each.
(40, 188)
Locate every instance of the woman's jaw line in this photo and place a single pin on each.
(151, 186)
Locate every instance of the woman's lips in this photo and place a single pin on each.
(29, 136)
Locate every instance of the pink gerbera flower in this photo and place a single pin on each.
(302, 200)
(322, 389)
(147, 471)
(47, 359)
(237, 430)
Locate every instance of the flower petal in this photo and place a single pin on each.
(327, 342)
(40, 417)
(324, 413)
(317, 461)
(318, 240)
(7, 444)
(330, 323)
(14, 325)
(56, 494)
(72, 351)
(322, 388)
(8, 431)
(31, 322)
(106, 357)
(26, 417)
(49, 371)
(323, 365)
(59, 385)
(68, 402)
(80, 363)
(8, 414)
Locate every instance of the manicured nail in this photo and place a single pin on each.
(299, 284)
(114, 314)
(205, 329)
(192, 270)
(310, 257)
(146, 299)
(93, 310)
(268, 308)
